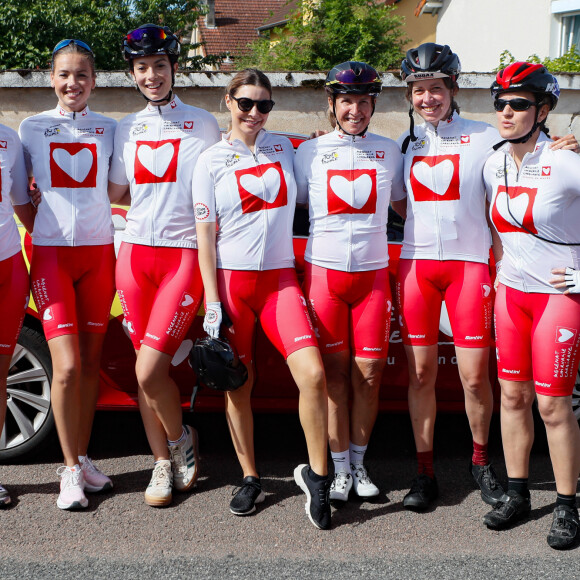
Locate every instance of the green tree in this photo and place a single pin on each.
(29, 29)
(322, 33)
(568, 62)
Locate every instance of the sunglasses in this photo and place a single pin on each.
(515, 104)
(68, 41)
(151, 32)
(349, 77)
(245, 105)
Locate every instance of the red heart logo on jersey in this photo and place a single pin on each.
(262, 187)
(351, 191)
(156, 161)
(73, 165)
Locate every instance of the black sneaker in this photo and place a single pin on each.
(424, 490)
(317, 500)
(565, 528)
(511, 508)
(486, 479)
(247, 496)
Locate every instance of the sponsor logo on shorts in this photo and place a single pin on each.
(47, 314)
(130, 328)
(299, 338)
(187, 300)
(545, 385)
(5, 345)
(66, 325)
(95, 324)
(485, 289)
(201, 211)
(416, 336)
(511, 371)
(565, 335)
(478, 337)
(334, 344)
(372, 349)
(149, 335)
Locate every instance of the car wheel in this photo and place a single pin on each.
(576, 397)
(29, 424)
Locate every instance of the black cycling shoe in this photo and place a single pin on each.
(424, 490)
(511, 508)
(565, 530)
(486, 479)
(247, 496)
(317, 497)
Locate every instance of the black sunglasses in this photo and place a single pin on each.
(515, 104)
(245, 105)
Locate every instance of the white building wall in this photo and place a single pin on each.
(480, 30)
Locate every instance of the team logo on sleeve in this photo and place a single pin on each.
(521, 206)
(435, 178)
(262, 187)
(351, 191)
(156, 161)
(73, 164)
(201, 211)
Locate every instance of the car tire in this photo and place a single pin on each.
(576, 397)
(29, 425)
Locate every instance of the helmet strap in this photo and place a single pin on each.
(411, 136)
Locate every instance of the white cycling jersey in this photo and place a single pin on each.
(68, 154)
(446, 195)
(348, 182)
(252, 196)
(13, 190)
(156, 150)
(544, 196)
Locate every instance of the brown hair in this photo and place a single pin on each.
(74, 48)
(249, 76)
(448, 82)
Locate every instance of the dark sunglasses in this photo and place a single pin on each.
(151, 32)
(515, 104)
(349, 77)
(245, 105)
(68, 41)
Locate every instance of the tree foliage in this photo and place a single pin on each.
(29, 29)
(322, 33)
(568, 62)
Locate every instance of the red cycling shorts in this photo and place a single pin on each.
(160, 290)
(273, 297)
(350, 310)
(73, 288)
(14, 295)
(466, 287)
(538, 338)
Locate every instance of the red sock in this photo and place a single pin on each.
(479, 456)
(425, 463)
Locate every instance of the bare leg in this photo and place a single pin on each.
(4, 368)
(306, 368)
(337, 369)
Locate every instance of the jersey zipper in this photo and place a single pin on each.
(73, 190)
(437, 216)
(352, 204)
(263, 212)
(156, 185)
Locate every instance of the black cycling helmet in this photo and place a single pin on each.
(430, 61)
(527, 76)
(353, 78)
(427, 61)
(151, 39)
(534, 78)
(217, 365)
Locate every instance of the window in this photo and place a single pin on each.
(570, 33)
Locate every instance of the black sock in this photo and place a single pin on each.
(519, 485)
(569, 500)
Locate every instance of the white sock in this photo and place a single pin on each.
(357, 454)
(340, 461)
(180, 440)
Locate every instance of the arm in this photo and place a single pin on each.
(400, 206)
(119, 194)
(206, 239)
(26, 214)
(496, 246)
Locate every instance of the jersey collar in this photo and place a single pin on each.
(443, 126)
(71, 114)
(338, 134)
(175, 103)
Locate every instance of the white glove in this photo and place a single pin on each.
(213, 319)
(572, 278)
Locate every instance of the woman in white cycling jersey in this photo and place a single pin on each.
(445, 256)
(67, 152)
(245, 185)
(534, 195)
(158, 279)
(348, 177)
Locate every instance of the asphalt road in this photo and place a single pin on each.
(118, 536)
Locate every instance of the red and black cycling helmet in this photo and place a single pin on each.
(217, 364)
(354, 78)
(151, 39)
(527, 76)
(430, 61)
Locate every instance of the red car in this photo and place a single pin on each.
(30, 423)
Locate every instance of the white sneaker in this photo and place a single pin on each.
(363, 486)
(340, 486)
(4, 496)
(158, 492)
(95, 479)
(72, 496)
(185, 461)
